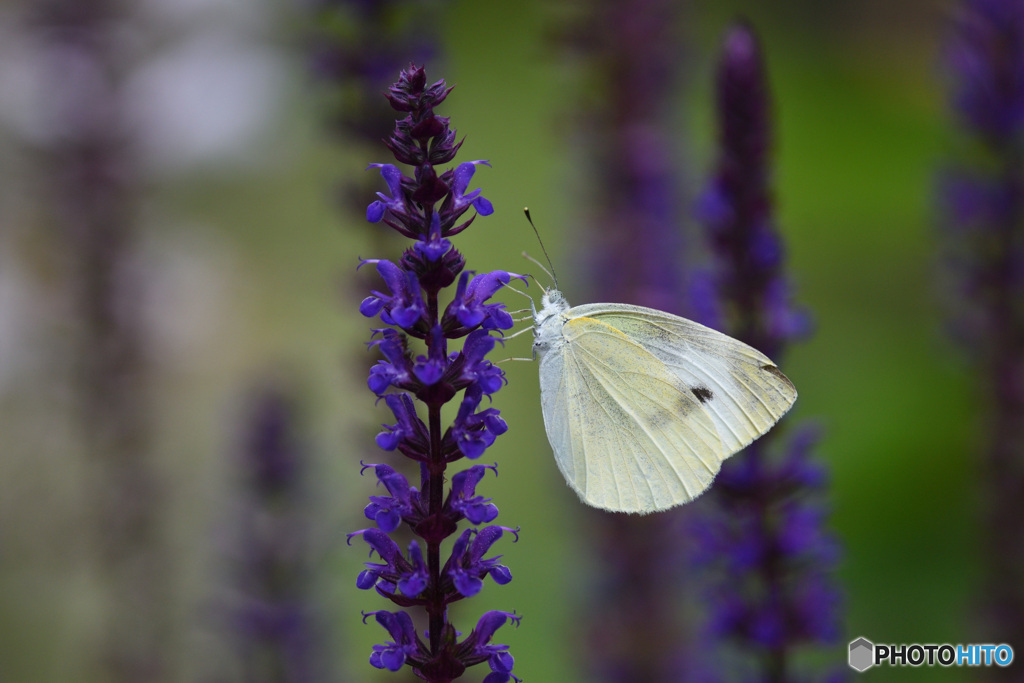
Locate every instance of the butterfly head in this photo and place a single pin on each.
(554, 299)
(552, 303)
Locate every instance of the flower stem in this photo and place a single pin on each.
(435, 487)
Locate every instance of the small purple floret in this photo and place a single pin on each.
(375, 211)
(463, 174)
(476, 509)
(392, 655)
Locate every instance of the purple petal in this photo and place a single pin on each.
(501, 574)
(382, 543)
(388, 520)
(428, 372)
(381, 377)
(478, 344)
(501, 662)
(394, 277)
(412, 585)
(463, 174)
(392, 659)
(480, 513)
(483, 206)
(388, 441)
(491, 622)
(464, 483)
(483, 542)
(375, 211)
(366, 580)
(371, 306)
(466, 584)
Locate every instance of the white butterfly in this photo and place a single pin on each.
(641, 407)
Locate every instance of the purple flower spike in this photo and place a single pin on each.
(764, 540)
(425, 205)
(274, 612)
(981, 205)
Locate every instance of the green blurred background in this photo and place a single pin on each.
(255, 264)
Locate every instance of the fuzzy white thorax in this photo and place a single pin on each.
(547, 322)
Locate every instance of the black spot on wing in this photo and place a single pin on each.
(703, 394)
(772, 370)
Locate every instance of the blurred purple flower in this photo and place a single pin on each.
(763, 538)
(982, 229)
(357, 47)
(276, 616)
(631, 247)
(986, 56)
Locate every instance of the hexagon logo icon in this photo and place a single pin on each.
(862, 654)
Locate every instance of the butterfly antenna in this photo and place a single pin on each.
(521, 292)
(541, 266)
(551, 273)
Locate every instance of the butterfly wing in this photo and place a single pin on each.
(627, 432)
(740, 388)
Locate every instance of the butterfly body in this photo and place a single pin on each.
(641, 406)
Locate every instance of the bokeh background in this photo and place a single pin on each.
(243, 257)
